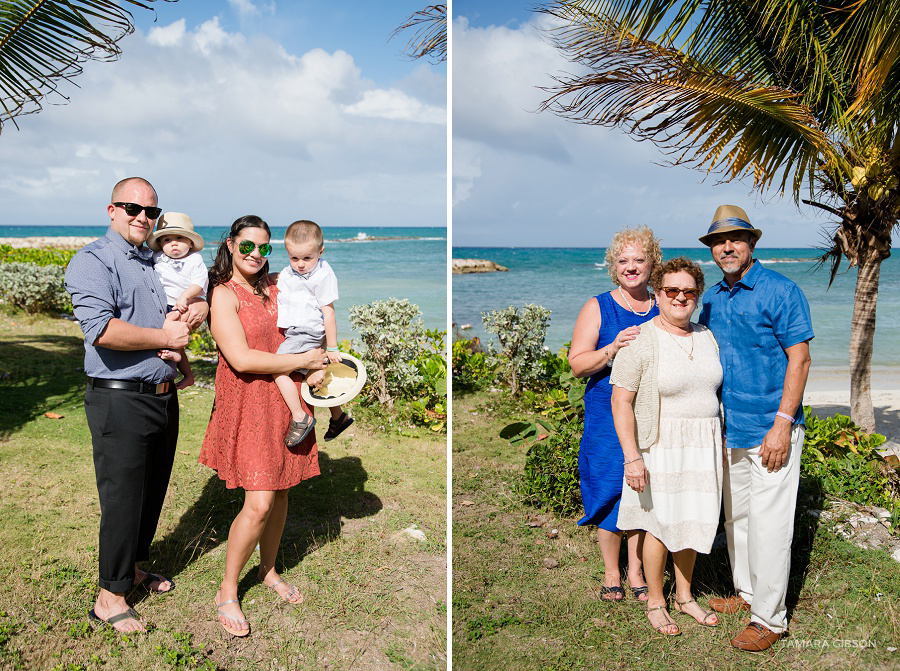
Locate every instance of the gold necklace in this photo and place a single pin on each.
(690, 354)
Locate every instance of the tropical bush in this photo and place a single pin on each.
(472, 370)
(551, 471)
(520, 335)
(844, 462)
(34, 288)
(404, 361)
(39, 257)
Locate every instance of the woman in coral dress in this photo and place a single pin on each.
(244, 439)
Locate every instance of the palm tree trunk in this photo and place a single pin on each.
(862, 335)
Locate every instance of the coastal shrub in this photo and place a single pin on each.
(39, 257)
(34, 288)
(561, 402)
(201, 343)
(551, 471)
(472, 371)
(844, 462)
(520, 335)
(392, 336)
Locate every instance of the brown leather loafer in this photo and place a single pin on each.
(755, 638)
(729, 604)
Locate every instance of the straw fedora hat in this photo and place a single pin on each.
(343, 382)
(729, 218)
(174, 223)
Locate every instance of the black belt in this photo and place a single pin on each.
(132, 385)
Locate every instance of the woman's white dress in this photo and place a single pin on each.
(680, 505)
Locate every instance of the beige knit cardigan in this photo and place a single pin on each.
(636, 368)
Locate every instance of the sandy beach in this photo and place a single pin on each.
(828, 392)
(50, 242)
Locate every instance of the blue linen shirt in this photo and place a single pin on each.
(754, 322)
(111, 278)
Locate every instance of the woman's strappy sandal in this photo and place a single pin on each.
(669, 623)
(236, 631)
(297, 431)
(706, 613)
(290, 595)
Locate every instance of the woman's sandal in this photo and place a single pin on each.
(336, 426)
(236, 631)
(707, 613)
(291, 593)
(669, 622)
(297, 431)
(639, 592)
(613, 594)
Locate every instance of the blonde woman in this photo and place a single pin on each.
(606, 325)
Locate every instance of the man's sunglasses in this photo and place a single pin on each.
(246, 247)
(672, 292)
(133, 210)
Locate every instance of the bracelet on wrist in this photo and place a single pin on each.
(633, 460)
(784, 415)
(332, 349)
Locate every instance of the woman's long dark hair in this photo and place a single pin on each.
(222, 267)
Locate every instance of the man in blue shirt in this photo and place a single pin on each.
(762, 323)
(130, 401)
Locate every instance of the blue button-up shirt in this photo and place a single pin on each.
(111, 278)
(754, 322)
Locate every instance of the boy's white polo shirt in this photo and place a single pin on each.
(176, 275)
(301, 297)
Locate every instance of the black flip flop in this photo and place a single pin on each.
(154, 577)
(130, 614)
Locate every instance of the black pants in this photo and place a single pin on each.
(134, 437)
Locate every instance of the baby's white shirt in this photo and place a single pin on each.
(176, 275)
(301, 297)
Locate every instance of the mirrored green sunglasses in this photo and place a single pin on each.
(246, 247)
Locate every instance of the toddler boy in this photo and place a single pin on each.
(307, 289)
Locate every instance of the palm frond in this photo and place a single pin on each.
(429, 39)
(704, 119)
(43, 42)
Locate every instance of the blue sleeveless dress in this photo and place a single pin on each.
(600, 457)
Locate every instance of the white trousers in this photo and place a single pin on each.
(759, 523)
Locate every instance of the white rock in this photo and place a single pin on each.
(414, 532)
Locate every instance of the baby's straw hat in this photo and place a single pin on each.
(343, 382)
(174, 223)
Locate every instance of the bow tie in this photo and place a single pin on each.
(140, 253)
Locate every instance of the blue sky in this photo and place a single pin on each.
(283, 109)
(523, 178)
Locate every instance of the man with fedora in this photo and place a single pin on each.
(130, 401)
(762, 323)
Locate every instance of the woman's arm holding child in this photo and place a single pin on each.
(330, 333)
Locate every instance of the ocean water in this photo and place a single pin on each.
(389, 262)
(563, 279)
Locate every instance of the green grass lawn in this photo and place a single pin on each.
(374, 599)
(510, 611)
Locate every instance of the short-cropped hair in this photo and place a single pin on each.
(642, 237)
(304, 232)
(677, 265)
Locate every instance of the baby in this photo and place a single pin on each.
(181, 272)
(307, 289)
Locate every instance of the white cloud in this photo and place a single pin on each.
(224, 124)
(538, 179)
(396, 106)
(244, 7)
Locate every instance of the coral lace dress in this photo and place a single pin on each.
(245, 438)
